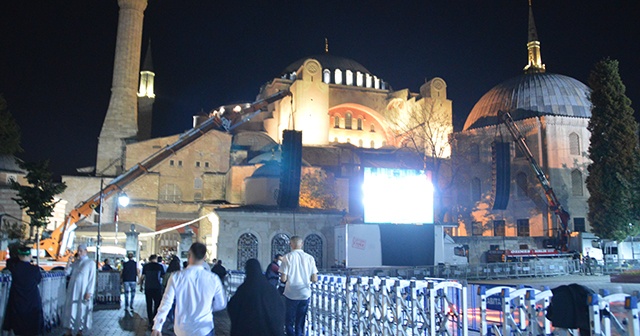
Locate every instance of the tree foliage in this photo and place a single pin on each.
(613, 180)
(37, 198)
(9, 131)
(317, 190)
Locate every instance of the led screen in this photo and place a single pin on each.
(397, 196)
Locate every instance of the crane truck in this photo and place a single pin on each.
(55, 245)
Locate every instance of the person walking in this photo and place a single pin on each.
(79, 300)
(129, 277)
(151, 280)
(298, 271)
(107, 265)
(24, 309)
(174, 266)
(197, 294)
(256, 308)
(219, 270)
(273, 270)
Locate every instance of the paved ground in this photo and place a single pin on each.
(118, 322)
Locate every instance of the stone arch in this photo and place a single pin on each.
(370, 117)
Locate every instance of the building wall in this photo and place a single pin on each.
(265, 225)
(548, 140)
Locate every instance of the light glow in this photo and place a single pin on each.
(397, 196)
(123, 200)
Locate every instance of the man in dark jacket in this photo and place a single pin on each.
(220, 271)
(24, 309)
(273, 270)
(151, 279)
(129, 276)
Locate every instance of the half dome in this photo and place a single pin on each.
(532, 94)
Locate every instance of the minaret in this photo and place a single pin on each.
(146, 97)
(533, 46)
(121, 122)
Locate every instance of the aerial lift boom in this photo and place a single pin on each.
(227, 121)
(552, 199)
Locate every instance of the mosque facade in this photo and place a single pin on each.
(227, 183)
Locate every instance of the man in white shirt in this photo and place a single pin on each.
(298, 272)
(197, 294)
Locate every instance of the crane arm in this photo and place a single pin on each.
(224, 122)
(552, 199)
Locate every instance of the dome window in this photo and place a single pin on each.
(349, 80)
(336, 122)
(376, 82)
(367, 80)
(360, 143)
(326, 76)
(359, 79)
(373, 144)
(359, 124)
(338, 76)
(373, 128)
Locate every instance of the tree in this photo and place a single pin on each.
(424, 127)
(613, 174)
(37, 198)
(9, 131)
(317, 190)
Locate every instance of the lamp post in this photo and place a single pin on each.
(99, 240)
(633, 252)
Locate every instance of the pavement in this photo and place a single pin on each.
(118, 322)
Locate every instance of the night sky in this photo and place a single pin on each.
(56, 57)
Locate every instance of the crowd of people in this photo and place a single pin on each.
(273, 302)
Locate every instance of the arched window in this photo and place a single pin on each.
(359, 124)
(313, 246)
(349, 80)
(347, 120)
(326, 76)
(574, 144)
(247, 249)
(280, 244)
(373, 128)
(521, 184)
(197, 197)
(360, 143)
(197, 183)
(373, 144)
(338, 76)
(336, 122)
(474, 153)
(576, 183)
(170, 193)
(476, 189)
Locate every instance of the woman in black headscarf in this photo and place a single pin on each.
(256, 308)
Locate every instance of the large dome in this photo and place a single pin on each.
(529, 95)
(330, 62)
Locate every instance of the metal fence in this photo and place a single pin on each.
(371, 305)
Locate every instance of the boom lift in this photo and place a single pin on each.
(227, 121)
(552, 199)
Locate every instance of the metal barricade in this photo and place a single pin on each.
(53, 296)
(5, 286)
(108, 289)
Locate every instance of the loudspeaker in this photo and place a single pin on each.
(501, 174)
(290, 166)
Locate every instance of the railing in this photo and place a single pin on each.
(535, 268)
(371, 305)
(52, 293)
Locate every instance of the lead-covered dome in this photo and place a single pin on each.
(532, 94)
(330, 62)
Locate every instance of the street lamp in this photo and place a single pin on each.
(633, 252)
(123, 201)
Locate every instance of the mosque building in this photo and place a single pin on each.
(226, 183)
